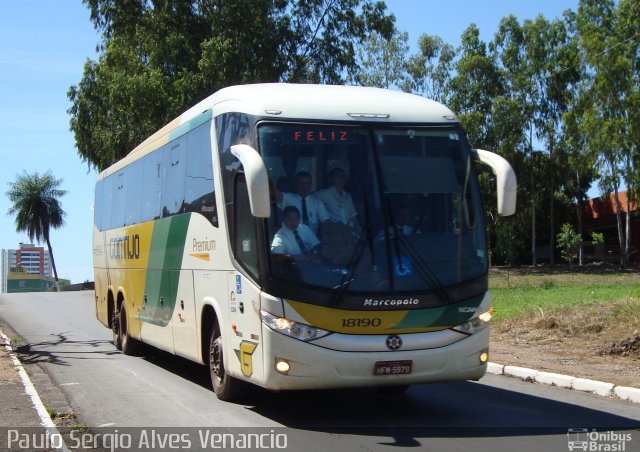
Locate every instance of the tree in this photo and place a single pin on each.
(474, 87)
(37, 208)
(473, 91)
(323, 36)
(611, 49)
(581, 165)
(568, 242)
(159, 57)
(539, 76)
(513, 114)
(428, 77)
(551, 51)
(508, 240)
(382, 61)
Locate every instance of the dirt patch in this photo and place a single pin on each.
(588, 343)
(8, 373)
(624, 348)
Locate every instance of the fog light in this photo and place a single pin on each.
(484, 357)
(282, 366)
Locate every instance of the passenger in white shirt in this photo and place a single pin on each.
(312, 210)
(295, 239)
(338, 202)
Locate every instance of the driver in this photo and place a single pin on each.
(294, 238)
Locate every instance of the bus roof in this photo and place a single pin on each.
(299, 101)
(323, 102)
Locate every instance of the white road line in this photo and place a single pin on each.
(45, 419)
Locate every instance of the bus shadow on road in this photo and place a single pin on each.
(458, 409)
(439, 410)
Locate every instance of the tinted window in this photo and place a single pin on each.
(415, 199)
(98, 212)
(134, 175)
(173, 179)
(152, 176)
(118, 202)
(245, 240)
(199, 195)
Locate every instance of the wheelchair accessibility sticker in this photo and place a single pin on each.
(402, 267)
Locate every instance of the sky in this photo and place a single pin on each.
(43, 48)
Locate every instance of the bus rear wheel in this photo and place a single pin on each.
(121, 338)
(225, 386)
(115, 329)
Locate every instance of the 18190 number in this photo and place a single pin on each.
(361, 323)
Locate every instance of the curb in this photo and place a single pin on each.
(30, 390)
(600, 388)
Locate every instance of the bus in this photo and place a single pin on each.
(185, 229)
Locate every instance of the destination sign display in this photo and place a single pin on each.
(315, 135)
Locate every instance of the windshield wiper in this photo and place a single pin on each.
(347, 277)
(394, 235)
(422, 267)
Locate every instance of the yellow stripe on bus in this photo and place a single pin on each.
(356, 322)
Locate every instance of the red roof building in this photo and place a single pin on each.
(599, 215)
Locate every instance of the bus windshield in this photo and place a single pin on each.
(366, 208)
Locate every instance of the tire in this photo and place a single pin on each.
(128, 345)
(115, 329)
(225, 386)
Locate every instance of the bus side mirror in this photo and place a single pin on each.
(506, 184)
(257, 179)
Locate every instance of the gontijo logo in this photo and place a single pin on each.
(125, 247)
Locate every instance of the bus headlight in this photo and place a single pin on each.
(476, 324)
(296, 330)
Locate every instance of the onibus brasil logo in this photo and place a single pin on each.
(593, 440)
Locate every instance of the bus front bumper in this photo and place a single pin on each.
(314, 367)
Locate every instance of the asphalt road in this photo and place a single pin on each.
(110, 390)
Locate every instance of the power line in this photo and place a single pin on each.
(595, 56)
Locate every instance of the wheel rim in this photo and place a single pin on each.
(115, 324)
(115, 329)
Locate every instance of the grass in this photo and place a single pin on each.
(522, 295)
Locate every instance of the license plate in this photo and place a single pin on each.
(392, 367)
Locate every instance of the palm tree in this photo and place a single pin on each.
(37, 209)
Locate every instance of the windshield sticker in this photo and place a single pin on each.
(403, 267)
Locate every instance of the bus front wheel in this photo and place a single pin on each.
(225, 386)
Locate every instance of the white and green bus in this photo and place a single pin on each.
(184, 227)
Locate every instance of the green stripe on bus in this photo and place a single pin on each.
(190, 125)
(163, 275)
(445, 316)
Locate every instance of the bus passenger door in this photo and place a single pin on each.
(245, 326)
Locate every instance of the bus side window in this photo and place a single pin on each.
(133, 212)
(119, 197)
(174, 179)
(107, 200)
(245, 239)
(199, 194)
(151, 178)
(98, 203)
